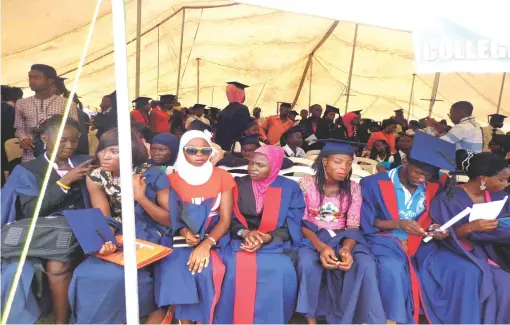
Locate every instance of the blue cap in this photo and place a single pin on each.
(249, 139)
(433, 151)
(334, 146)
(91, 228)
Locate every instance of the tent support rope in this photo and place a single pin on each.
(348, 93)
(157, 78)
(180, 54)
(501, 91)
(434, 93)
(310, 58)
(198, 80)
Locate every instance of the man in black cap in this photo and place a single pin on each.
(401, 120)
(197, 113)
(32, 110)
(496, 122)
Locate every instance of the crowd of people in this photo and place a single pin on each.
(260, 247)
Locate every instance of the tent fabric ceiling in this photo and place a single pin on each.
(265, 48)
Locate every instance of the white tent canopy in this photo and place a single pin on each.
(273, 51)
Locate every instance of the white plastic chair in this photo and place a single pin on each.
(245, 167)
(312, 154)
(302, 161)
(299, 170)
(366, 164)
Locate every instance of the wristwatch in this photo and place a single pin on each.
(240, 232)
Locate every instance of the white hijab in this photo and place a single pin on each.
(191, 174)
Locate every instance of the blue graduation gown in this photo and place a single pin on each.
(477, 290)
(341, 297)
(27, 307)
(194, 296)
(398, 282)
(97, 290)
(261, 287)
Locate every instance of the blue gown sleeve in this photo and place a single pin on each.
(296, 212)
(368, 209)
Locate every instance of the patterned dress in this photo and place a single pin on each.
(29, 112)
(110, 184)
(330, 212)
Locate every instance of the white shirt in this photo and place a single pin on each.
(299, 152)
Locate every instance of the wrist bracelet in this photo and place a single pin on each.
(65, 187)
(212, 240)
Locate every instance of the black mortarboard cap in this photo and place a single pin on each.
(399, 110)
(292, 130)
(334, 146)
(330, 108)
(433, 151)
(141, 101)
(357, 112)
(497, 116)
(238, 84)
(249, 139)
(199, 126)
(90, 228)
(167, 98)
(198, 106)
(214, 110)
(285, 104)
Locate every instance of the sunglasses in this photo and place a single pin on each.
(193, 151)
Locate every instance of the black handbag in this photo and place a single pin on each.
(53, 239)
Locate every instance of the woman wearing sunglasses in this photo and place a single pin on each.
(96, 293)
(200, 211)
(261, 282)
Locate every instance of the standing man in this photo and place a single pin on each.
(141, 111)
(401, 120)
(304, 116)
(107, 118)
(32, 110)
(197, 113)
(256, 114)
(467, 133)
(159, 119)
(167, 103)
(274, 126)
(496, 122)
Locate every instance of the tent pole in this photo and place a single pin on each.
(350, 68)
(212, 97)
(309, 61)
(126, 167)
(311, 76)
(501, 91)
(411, 97)
(198, 80)
(180, 54)
(434, 93)
(138, 39)
(157, 79)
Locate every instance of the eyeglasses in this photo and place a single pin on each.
(193, 151)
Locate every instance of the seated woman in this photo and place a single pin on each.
(249, 144)
(337, 273)
(66, 190)
(251, 128)
(97, 291)
(260, 286)
(480, 248)
(201, 209)
(163, 151)
(380, 152)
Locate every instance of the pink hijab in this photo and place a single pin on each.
(275, 156)
(347, 119)
(234, 94)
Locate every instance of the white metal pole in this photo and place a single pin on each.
(180, 53)
(126, 166)
(411, 97)
(138, 40)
